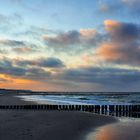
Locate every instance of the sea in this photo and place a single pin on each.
(85, 98)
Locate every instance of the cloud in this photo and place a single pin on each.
(104, 8)
(63, 39)
(109, 51)
(37, 73)
(130, 2)
(107, 78)
(119, 44)
(16, 43)
(124, 7)
(121, 53)
(122, 31)
(85, 76)
(82, 38)
(33, 32)
(5, 63)
(123, 44)
(133, 5)
(3, 80)
(13, 43)
(109, 7)
(2, 51)
(17, 46)
(50, 62)
(23, 50)
(88, 32)
(8, 67)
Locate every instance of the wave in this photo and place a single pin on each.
(111, 99)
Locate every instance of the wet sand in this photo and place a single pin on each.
(46, 125)
(126, 129)
(7, 99)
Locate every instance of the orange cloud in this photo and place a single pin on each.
(110, 25)
(108, 51)
(88, 32)
(10, 82)
(122, 45)
(5, 79)
(18, 83)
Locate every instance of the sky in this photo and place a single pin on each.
(70, 45)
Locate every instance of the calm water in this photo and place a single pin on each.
(108, 99)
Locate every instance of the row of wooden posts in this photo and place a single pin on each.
(114, 110)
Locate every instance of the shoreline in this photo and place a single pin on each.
(50, 125)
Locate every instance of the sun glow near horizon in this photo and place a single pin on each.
(70, 45)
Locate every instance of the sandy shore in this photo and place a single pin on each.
(12, 100)
(46, 125)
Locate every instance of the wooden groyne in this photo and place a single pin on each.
(114, 110)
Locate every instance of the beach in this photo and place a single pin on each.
(49, 125)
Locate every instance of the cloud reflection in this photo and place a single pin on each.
(118, 131)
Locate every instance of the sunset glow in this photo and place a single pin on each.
(70, 45)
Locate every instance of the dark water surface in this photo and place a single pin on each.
(96, 99)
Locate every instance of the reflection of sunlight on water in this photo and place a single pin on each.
(128, 130)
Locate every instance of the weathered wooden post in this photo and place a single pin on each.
(97, 108)
(111, 109)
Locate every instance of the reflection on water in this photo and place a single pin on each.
(118, 131)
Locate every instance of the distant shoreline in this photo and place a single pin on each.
(28, 92)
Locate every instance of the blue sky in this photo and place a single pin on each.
(53, 14)
(70, 45)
